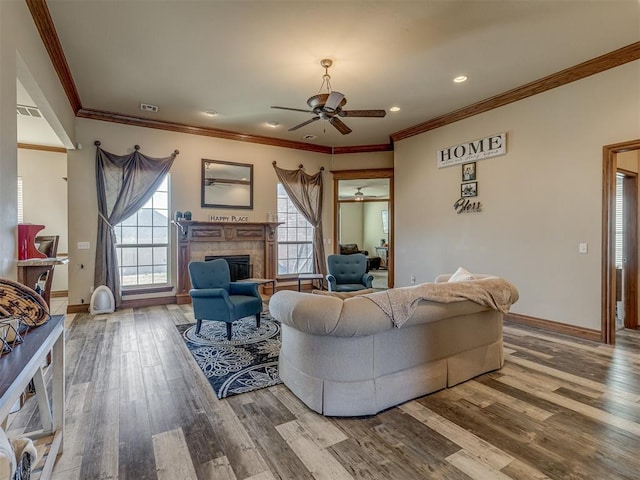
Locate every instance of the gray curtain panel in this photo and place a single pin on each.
(125, 183)
(305, 191)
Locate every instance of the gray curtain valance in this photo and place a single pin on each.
(124, 184)
(306, 193)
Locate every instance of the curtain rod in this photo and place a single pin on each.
(274, 163)
(136, 147)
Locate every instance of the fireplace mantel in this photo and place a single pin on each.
(195, 238)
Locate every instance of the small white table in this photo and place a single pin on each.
(24, 363)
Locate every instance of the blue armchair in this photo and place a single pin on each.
(347, 273)
(215, 297)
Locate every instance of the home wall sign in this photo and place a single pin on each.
(491, 146)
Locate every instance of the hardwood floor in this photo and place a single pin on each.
(138, 408)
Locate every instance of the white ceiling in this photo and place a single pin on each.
(240, 57)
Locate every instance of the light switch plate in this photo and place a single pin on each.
(84, 245)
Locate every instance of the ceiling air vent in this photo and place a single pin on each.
(145, 107)
(27, 111)
(309, 137)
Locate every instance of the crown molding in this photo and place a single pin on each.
(193, 130)
(44, 24)
(43, 148)
(582, 70)
(383, 147)
(46, 28)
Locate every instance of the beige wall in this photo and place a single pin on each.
(351, 221)
(628, 160)
(44, 193)
(373, 226)
(362, 161)
(8, 138)
(185, 183)
(22, 54)
(539, 201)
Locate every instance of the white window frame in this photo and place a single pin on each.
(132, 221)
(20, 201)
(294, 233)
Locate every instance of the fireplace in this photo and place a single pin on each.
(239, 266)
(198, 240)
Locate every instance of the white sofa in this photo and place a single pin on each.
(345, 358)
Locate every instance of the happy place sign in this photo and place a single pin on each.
(492, 146)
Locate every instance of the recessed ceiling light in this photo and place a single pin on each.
(460, 79)
(273, 124)
(210, 113)
(394, 109)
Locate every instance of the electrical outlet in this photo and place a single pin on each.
(91, 289)
(583, 248)
(84, 245)
(413, 280)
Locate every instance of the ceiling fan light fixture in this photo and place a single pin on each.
(329, 106)
(358, 196)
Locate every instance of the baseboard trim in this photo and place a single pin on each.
(148, 302)
(82, 308)
(571, 330)
(59, 293)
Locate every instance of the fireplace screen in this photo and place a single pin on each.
(240, 267)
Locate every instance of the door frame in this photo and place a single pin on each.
(365, 174)
(608, 270)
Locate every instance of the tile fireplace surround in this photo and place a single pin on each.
(196, 240)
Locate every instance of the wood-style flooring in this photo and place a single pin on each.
(139, 408)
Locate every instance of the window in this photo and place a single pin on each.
(619, 217)
(142, 242)
(295, 238)
(20, 203)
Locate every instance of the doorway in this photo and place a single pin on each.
(626, 247)
(619, 238)
(363, 215)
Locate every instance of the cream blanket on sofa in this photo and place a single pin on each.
(399, 303)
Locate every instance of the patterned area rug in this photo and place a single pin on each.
(247, 362)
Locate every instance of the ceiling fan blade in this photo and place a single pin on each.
(334, 101)
(363, 113)
(340, 125)
(304, 123)
(293, 109)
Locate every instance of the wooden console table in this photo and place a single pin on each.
(24, 363)
(30, 270)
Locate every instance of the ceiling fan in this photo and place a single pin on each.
(328, 106)
(360, 196)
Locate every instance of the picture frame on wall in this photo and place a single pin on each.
(226, 184)
(468, 172)
(469, 189)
